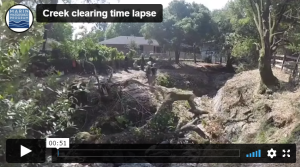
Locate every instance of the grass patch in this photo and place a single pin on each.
(294, 136)
(264, 133)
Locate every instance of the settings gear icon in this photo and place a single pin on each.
(271, 153)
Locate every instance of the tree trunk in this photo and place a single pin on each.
(265, 25)
(195, 55)
(177, 55)
(47, 28)
(170, 58)
(45, 40)
(229, 62)
(268, 80)
(195, 51)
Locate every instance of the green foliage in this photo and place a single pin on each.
(122, 120)
(61, 32)
(244, 47)
(113, 53)
(264, 133)
(294, 38)
(87, 48)
(237, 33)
(164, 80)
(164, 121)
(96, 131)
(124, 29)
(132, 53)
(120, 56)
(294, 136)
(68, 50)
(13, 60)
(29, 107)
(96, 35)
(183, 23)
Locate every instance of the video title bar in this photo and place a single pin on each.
(214, 153)
(99, 13)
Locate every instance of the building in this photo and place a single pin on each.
(122, 42)
(208, 49)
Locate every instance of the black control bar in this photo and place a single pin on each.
(215, 153)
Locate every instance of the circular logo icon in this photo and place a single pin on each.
(19, 18)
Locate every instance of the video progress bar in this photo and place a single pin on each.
(63, 153)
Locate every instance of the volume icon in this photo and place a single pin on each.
(254, 154)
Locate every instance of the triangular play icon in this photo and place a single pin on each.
(24, 151)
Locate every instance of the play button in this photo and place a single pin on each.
(24, 151)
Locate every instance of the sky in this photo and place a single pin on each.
(210, 4)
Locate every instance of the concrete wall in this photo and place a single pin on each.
(148, 49)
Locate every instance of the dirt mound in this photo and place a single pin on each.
(248, 117)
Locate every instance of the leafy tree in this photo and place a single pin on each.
(123, 29)
(173, 30)
(101, 26)
(199, 27)
(294, 39)
(245, 34)
(183, 23)
(61, 32)
(26, 111)
(223, 36)
(237, 34)
(269, 20)
(95, 35)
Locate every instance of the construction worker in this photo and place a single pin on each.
(151, 72)
(135, 65)
(126, 63)
(142, 62)
(151, 59)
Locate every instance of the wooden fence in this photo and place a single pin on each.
(288, 64)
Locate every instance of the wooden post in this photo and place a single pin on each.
(282, 65)
(296, 70)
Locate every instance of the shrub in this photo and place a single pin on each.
(164, 80)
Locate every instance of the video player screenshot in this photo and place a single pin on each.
(170, 83)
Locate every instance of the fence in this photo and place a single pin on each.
(185, 56)
(288, 64)
(168, 55)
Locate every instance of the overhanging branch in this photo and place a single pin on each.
(280, 15)
(275, 45)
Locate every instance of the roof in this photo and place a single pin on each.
(125, 40)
